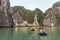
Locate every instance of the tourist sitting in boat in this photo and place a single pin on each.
(42, 30)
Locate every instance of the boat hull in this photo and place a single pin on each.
(42, 33)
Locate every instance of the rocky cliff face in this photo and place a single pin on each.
(5, 16)
(18, 13)
(17, 19)
(51, 18)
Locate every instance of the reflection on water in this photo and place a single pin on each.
(43, 38)
(24, 33)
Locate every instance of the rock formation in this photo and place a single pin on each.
(36, 24)
(17, 19)
(50, 18)
(5, 16)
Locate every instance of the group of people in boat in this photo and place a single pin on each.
(42, 32)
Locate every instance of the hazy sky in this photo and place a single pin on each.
(32, 4)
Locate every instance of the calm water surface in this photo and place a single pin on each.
(26, 34)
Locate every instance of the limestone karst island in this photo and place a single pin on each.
(20, 23)
(19, 16)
